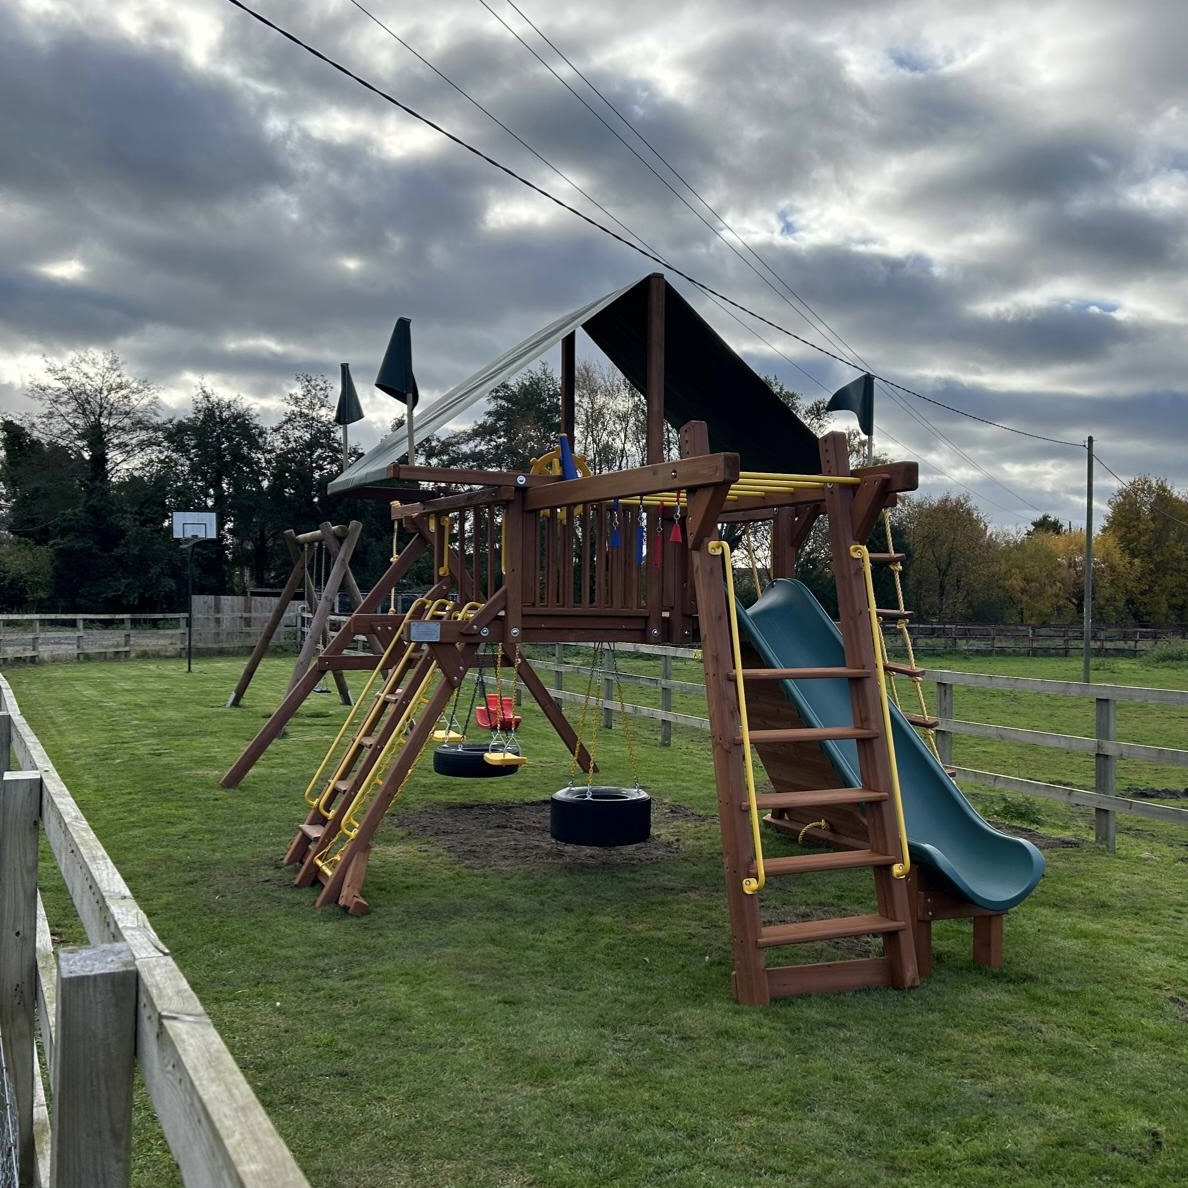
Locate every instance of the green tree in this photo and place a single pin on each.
(1149, 520)
(951, 562)
(217, 459)
(522, 421)
(1045, 523)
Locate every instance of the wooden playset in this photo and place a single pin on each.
(636, 557)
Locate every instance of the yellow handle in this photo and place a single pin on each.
(719, 548)
(859, 552)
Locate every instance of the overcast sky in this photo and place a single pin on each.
(986, 202)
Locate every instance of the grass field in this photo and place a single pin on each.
(513, 1012)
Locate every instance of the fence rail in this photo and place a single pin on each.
(1007, 639)
(1105, 746)
(98, 1008)
(220, 624)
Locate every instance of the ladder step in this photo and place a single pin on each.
(904, 670)
(807, 734)
(808, 931)
(800, 674)
(826, 860)
(313, 832)
(819, 798)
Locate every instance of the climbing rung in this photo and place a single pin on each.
(800, 674)
(806, 931)
(887, 558)
(923, 721)
(894, 613)
(823, 798)
(826, 860)
(807, 734)
(904, 670)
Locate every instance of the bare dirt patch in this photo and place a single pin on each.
(486, 836)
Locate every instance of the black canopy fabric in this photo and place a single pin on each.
(703, 380)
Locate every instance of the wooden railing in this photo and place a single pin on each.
(98, 1010)
(1105, 747)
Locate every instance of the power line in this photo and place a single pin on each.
(643, 251)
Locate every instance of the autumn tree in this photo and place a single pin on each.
(951, 566)
(1149, 520)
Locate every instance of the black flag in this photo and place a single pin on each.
(856, 397)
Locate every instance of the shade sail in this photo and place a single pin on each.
(703, 380)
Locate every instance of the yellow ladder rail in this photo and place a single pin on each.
(901, 625)
(392, 680)
(859, 552)
(719, 548)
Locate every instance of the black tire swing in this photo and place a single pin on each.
(474, 760)
(601, 814)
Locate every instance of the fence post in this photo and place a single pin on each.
(944, 711)
(35, 641)
(94, 1047)
(558, 660)
(666, 699)
(20, 806)
(1105, 820)
(608, 693)
(128, 637)
(80, 640)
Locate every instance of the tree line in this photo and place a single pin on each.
(88, 484)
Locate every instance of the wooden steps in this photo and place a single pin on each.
(824, 798)
(826, 860)
(804, 932)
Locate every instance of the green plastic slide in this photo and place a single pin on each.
(973, 860)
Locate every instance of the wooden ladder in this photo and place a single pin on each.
(891, 918)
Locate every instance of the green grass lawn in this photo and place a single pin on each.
(515, 1013)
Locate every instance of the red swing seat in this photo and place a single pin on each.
(498, 714)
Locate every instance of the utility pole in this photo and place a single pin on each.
(1088, 630)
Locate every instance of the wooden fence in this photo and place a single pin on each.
(1105, 747)
(1018, 639)
(99, 1009)
(220, 624)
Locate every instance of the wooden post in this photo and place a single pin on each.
(20, 807)
(5, 739)
(944, 711)
(666, 699)
(270, 629)
(568, 387)
(1105, 820)
(94, 1045)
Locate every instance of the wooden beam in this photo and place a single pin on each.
(568, 385)
(655, 366)
(687, 474)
